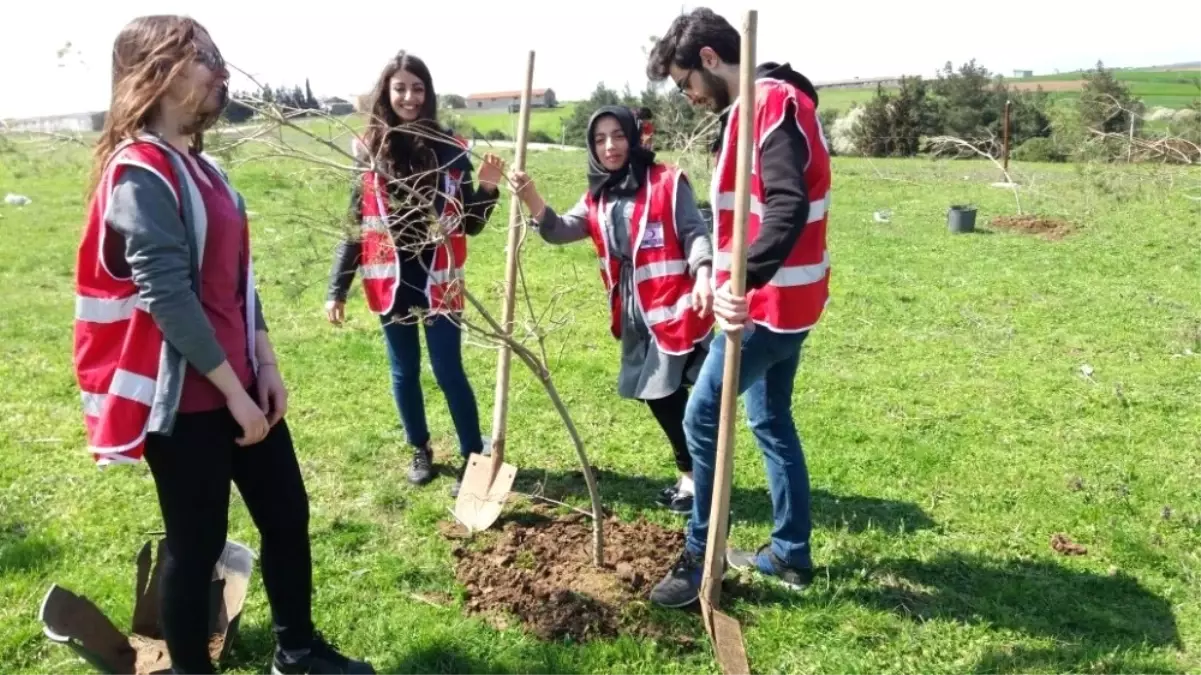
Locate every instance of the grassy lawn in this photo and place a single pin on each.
(842, 99)
(546, 120)
(950, 429)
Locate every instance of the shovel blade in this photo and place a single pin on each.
(74, 621)
(728, 646)
(482, 496)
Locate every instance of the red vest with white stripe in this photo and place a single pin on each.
(380, 266)
(663, 287)
(119, 351)
(793, 300)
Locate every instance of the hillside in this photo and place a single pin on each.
(1160, 86)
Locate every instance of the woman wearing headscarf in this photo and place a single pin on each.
(656, 256)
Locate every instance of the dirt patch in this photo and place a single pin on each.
(1064, 545)
(151, 655)
(1048, 228)
(540, 571)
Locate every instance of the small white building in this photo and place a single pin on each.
(335, 105)
(1023, 73)
(510, 100)
(75, 122)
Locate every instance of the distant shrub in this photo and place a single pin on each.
(540, 136)
(828, 117)
(842, 132)
(1039, 149)
(496, 135)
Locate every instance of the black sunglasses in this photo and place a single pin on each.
(211, 59)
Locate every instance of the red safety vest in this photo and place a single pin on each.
(793, 300)
(119, 352)
(380, 266)
(661, 280)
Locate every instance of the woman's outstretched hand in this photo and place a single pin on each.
(491, 172)
(521, 185)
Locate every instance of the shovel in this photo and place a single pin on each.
(724, 630)
(487, 481)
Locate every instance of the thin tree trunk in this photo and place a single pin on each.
(544, 377)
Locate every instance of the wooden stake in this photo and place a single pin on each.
(1005, 143)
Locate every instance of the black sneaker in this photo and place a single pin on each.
(770, 565)
(681, 502)
(322, 657)
(682, 585)
(666, 495)
(421, 469)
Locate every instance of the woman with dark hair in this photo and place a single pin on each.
(414, 206)
(171, 353)
(655, 260)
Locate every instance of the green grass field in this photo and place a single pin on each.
(842, 99)
(950, 429)
(1156, 88)
(546, 120)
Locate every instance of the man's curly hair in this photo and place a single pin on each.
(688, 33)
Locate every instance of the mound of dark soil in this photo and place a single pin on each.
(540, 571)
(1048, 228)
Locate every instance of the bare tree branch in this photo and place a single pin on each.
(944, 144)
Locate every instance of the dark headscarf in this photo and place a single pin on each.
(625, 181)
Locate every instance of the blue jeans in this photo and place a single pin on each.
(769, 365)
(443, 338)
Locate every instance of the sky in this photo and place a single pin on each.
(56, 54)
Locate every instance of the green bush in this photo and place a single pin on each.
(540, 136)
(1039, 149)
(496, 135)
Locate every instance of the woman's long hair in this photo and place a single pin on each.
(148, 54)
(403, 150)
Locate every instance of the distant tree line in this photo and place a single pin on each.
(291, 100)
(969, 104)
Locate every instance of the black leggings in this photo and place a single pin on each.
(669, 412)
(192, 471)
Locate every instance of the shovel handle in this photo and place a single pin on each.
(715, 548)
(500, 408)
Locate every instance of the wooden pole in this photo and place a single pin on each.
(1005, 135)
(500, 408)
(715, 549)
